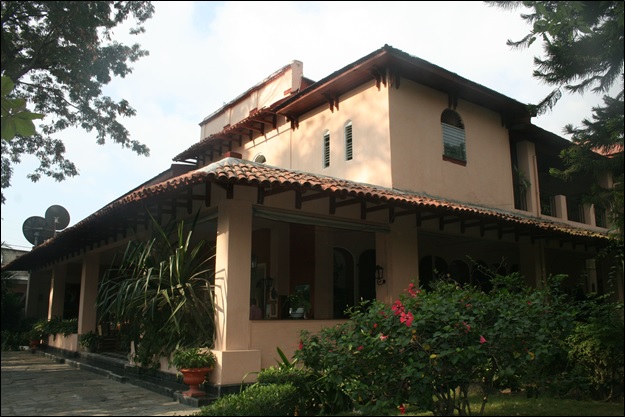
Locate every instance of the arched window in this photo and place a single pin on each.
(349, 150)
(326, 149)
(454, 146)
(260, 158)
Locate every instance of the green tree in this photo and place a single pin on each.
(16, 118)
(583, 51)
(59, 55)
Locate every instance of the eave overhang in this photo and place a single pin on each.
(387, 66)
(130, 210)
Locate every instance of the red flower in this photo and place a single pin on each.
(301, 345)
(402, 409)
(413, 290)
(375, 325)
(398, 308)
(466, 326)
(482, 340)
(383, 337)
(406, 318)
(359, 347)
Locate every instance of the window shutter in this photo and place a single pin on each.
(326, 150)
(454, 142)
(349, 155)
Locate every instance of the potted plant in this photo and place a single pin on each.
(299, 304)
(37, 334)
(90, 341)
(194, 364)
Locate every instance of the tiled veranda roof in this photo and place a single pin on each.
(237, 171)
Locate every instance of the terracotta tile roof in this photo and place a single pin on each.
(237, 171)
(233, 170)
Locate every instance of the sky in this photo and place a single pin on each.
(204, 54)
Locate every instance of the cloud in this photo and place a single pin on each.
(203, 54)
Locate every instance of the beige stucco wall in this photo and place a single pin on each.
(275, 145)
(367, 109)
(417, 149)
(268, 335)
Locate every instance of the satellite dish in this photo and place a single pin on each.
(36, 230)
(57, 217)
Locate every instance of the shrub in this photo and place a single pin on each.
(256, 400)
(429, 347)
(90, 340)
(596, 349)
(11, 340)
(56, 325)
(304, 380)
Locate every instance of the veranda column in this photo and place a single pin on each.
(37, 294)
(526, 160)
(232, 294)
(398, 254)
(57, 291)
(532, 263)
(88, 293)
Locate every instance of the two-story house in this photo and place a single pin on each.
(387, 171)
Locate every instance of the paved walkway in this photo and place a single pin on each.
(33, 385)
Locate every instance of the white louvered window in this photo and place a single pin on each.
(326, 149)
(349, 149)
(454, 146)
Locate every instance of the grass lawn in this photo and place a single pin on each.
(517, 404)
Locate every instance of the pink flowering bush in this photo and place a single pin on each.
(426, 349)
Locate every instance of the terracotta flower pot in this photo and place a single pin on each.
(193, 377)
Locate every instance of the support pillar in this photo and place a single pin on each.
(561, 210)
(526, 160)
(57, 291)
(232, 294)
(90, 276)
(37, 294)
(591, 276)
(532, 263)
(398, 254)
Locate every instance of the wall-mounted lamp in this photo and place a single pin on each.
(379, 275)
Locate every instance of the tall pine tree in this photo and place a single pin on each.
(583, 51)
